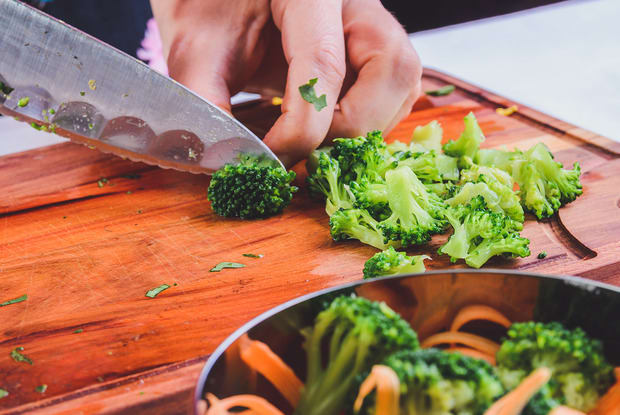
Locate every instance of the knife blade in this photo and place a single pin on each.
(62, 80)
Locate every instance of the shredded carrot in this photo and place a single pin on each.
(478, 312)
(473, 353)
(387, 384)
(609, 404)
(261, 358)
(514, 402)
(256, 404)
(565, 410)
(471, 340)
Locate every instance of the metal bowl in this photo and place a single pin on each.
(428, 301)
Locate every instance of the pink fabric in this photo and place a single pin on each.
(152, 49)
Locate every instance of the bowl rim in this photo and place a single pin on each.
(206, 369)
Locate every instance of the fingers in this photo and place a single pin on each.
(313, 45)
(212, 47)
(388, 68)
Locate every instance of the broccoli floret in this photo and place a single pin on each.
(358, 224)
(362, 157)
(392, 262)
(326, 181)
(480, 234)
(429, 166)
(372, 197)
(416, 213)
(469, 141)
(566, 181)
(507, 244)
(257, 187)
(500, 159)
(434, 382)
(544, 185)
(580, 373)
(501, 184)
(539, 196)
(357, 333)
(428, 136)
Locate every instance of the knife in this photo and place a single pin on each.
(63, 81)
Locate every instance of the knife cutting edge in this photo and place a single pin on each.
(61, 80)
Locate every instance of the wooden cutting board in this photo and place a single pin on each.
(86, 253)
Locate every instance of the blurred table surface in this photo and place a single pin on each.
(561, 59)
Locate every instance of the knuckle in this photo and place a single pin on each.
(407, 68)
(330, 62)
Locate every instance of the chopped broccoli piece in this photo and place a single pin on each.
(392, 262)
(544, 185)
(373, 197)
(416, 213)
(428, 136)
(510, 244)
(435, 382)
(326, 181)
(358, 333)
(362, 157)
(469, 141)
(566, 181)
(429, 166)
(580, 373)
(255, 188)
(497, 158)
(497, 182)
(480, 234)
(357, 224)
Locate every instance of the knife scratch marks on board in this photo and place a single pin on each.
(238, 236)
(158, 258)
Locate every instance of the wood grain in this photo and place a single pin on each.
(86, 255)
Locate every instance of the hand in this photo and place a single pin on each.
(360, 54)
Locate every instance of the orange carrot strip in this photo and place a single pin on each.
(387, 384)
(261, 358)
(565, 410)
(514, 402)
(256, 404)
(475, 342)
(473, 353)
(478, 312)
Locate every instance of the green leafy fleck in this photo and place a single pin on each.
(15, 300)
(36, 126)
(309, 94)
(444, 90)
(51, 111)
(41, 388)
(3, 393)
(542, 255)
(82, 93)
(91, 126)
(223, 265)
(23, 102)
(253, 255)
(18, 357)
(155, 291)
(78, 330)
